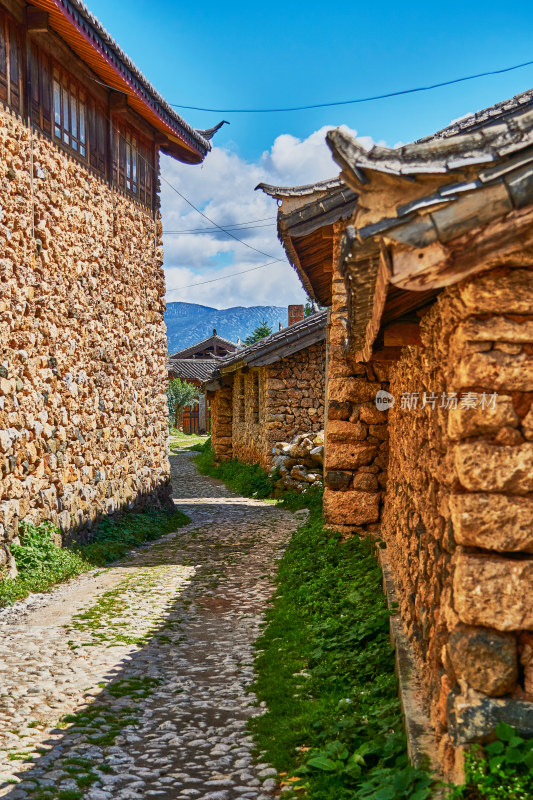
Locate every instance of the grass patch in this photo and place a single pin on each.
(249, 480)
(42, 564)
(501, 770)
(325, 669)
(189, 441)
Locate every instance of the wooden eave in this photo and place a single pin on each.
(73, 25)
(430, 216)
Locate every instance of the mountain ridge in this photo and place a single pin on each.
(188, 323)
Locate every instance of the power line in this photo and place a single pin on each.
(212, 221)
(214, 230)
(235, 224)
(232, 275)
(368, 99)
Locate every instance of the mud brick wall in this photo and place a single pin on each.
(290, 401)
(83, 419)
(459, 507)
(356, 449)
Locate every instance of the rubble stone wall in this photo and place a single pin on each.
(221, 423)
(83, 420)
(356, 434)
(459, 506)
(269, 404)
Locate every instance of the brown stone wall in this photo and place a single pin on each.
(221, 422)
(459, 508)
(290, 401)
(83, 420)
(356, 433)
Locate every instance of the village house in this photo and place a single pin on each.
(429, 429)
(83, 419)
(270, 391)
(195, 364)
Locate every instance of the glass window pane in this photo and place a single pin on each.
(73, 113)
(3, 59)
(57, 107)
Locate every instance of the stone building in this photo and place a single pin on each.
(195, 364)
(268, 392)
(83, 422)
(431, 317)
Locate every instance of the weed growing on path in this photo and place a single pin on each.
(42, 564)
(250, 480)
(325, 669)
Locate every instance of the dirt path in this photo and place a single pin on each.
(150, 661)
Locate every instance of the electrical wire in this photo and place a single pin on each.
(368, 99)
(214, 230)
(232, 275)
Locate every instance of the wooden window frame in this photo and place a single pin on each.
(11, 60)
(133, 161)
(69, 109)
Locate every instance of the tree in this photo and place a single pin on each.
(259, 333)
(180, 394)
(311, 307)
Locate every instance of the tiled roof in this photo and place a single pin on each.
(211, 340)
(82, 30)
(496, 113)
(298, 336)
(194, 369)
(300, 191)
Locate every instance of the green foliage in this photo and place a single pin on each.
(260, 332)
(42, 564)
(501, 770)
(326, 672)
(179, 395)
(249, 480)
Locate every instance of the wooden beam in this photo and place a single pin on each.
(401, 334)
(37, 21)
(118, 101)
(438, 265)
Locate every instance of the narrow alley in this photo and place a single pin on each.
(133, 682)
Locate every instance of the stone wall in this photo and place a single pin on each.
(268, 404)
(356, 433)
(83, 421)
(459, 509)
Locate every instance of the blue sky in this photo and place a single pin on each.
(257, 55)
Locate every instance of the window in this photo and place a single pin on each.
(255, 397)
(10, 62)
(41, 90)
(70, 112)
(132, 162)
(97, 136)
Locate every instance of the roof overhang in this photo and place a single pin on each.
(72, 21)
(429, 215)
(306, 227)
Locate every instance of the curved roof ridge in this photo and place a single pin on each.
(300, 191)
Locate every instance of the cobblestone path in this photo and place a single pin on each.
(132, 682)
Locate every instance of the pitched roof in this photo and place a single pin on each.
(211, 340)
(194, 369)
(278, 345)
(300, 191)
(472, 207)
(76, 25)
(495, 113)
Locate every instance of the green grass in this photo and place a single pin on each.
(325, 669)
(42, 564)
(189, 441)
(501, 770)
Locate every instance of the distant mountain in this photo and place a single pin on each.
(188, 323)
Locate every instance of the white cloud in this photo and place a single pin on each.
(223, 188)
